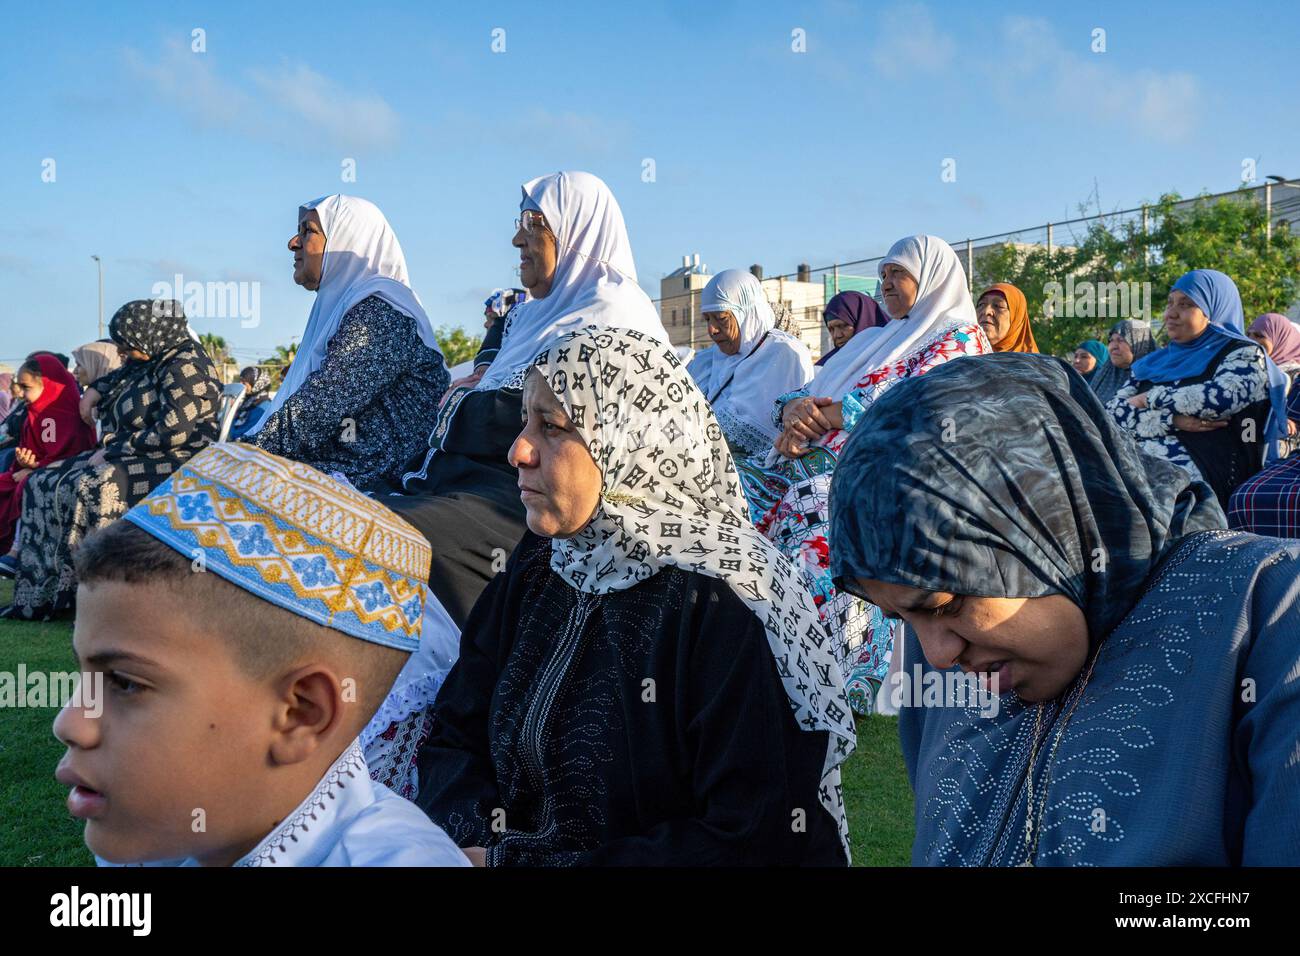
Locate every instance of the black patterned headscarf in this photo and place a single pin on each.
(153, 326)
(1109, 379)
(1003, 476)
(670, 498)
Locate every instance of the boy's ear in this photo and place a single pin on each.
(309, 705)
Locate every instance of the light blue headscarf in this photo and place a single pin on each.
(1216, 295)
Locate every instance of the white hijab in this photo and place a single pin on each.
(362, 258)
(769, 363)
(942, 302)
(671, 498)
(595, 277)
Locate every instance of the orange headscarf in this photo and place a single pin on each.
(1020, 337)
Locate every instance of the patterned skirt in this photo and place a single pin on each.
(790, 505)
(61, 505)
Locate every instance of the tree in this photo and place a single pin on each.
(280, 361)
(1115, 259)
(219, 352)
(457, 346)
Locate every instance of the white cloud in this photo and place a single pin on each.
(285, 105)
(910, 42)
(538, 130)
(189, 80)
(17, 265)
(1036, 71)
(346, 118)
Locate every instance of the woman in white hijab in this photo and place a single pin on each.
(368, 371)
(750, 363)
(932, 320)
(574, 218)
(460, 490)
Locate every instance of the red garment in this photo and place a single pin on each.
(53, 430)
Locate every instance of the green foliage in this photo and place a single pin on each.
(279, 362)
(1228, 234)
(219, 352)
(457, 345)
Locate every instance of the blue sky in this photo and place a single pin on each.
(168, 161)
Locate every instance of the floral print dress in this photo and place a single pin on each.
(789, 503)
(368, 409)
(1240, 380)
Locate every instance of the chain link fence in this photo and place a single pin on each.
(800, 297)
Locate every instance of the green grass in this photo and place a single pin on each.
(35, 829)
(878, 797)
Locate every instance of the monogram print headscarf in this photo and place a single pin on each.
(671, 498)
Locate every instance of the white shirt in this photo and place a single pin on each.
(349, 820)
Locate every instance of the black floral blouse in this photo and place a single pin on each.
(369, 407)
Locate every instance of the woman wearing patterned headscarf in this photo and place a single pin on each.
(1269, 503)
(1130, 340)
(647, 682)
(256, 400)
(847, 314)
(154, 412)
(924, 289)
(1211, 401)
(1144, 658)
(750, 363)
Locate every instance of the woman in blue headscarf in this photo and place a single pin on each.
(1211, 400)
(1143, 707)
(1088, 359)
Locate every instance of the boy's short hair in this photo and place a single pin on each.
(265, 639)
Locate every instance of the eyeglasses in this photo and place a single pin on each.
(530, 221)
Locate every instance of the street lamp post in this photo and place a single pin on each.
(100, 266)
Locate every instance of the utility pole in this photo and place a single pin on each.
(1268, 213)
(100, 266)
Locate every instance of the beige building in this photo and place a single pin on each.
(799, 299)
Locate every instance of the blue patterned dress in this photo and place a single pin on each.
(1181, 752)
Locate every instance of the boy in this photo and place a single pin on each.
(248, 616)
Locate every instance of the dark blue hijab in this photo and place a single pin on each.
(1004, 476)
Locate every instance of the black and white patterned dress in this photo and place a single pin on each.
(368, 409)
(155, 414)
